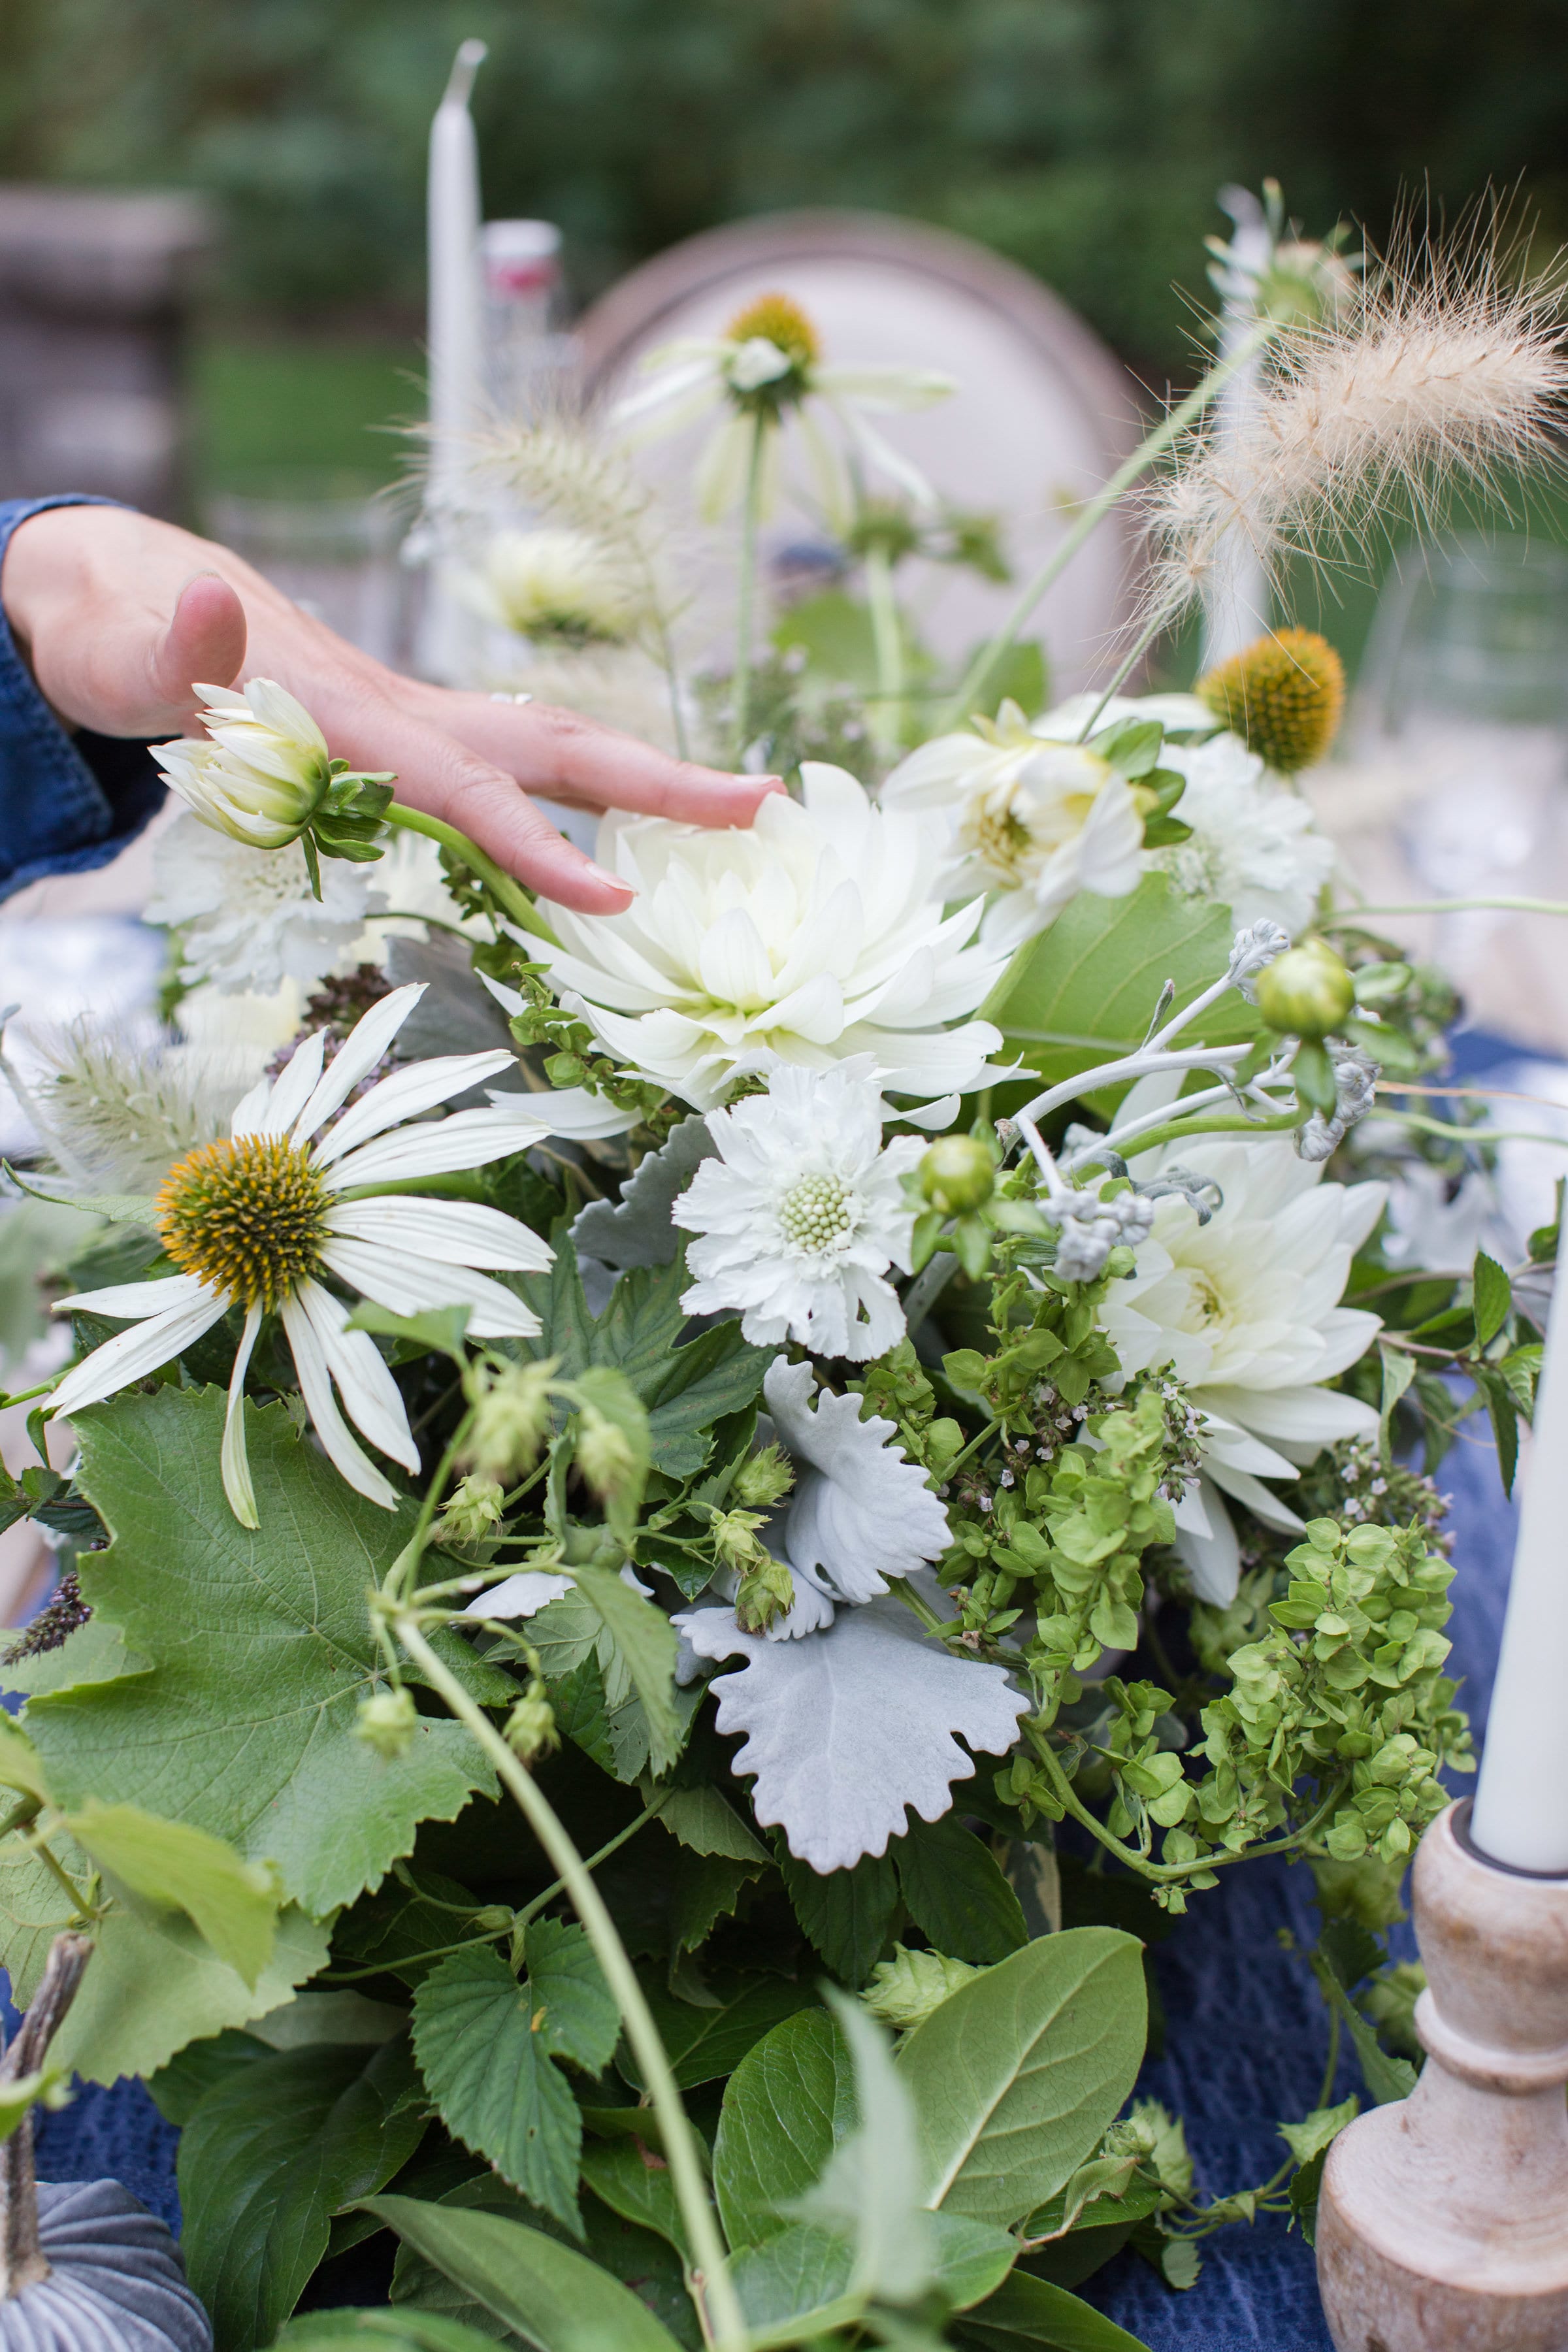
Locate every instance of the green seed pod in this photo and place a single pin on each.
(1306, 992)
(386, 1721)
(956, 1175)
(531, 1732)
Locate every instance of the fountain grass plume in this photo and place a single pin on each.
(1447, 373)
(117, 1112)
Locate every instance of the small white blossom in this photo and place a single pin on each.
(263, 771)
(556, 584)
(1254, 846)
(801, 1213)
(247, 918)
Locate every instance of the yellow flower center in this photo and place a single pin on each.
(775, 318)
(247, 1217)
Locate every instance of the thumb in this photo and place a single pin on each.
(204, 640)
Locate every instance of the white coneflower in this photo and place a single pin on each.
(1450, 374)
(302, 1192)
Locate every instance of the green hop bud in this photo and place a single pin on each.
(472, 1509)
(734, 1535)
(604, 1454)
(512, 1418)
(386, 1721)
(904, 1990)
(531, 1732)
(764, 1479)
(957, 1175)
(765, 1592)
(1305, 992)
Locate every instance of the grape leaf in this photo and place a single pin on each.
(262, 1651)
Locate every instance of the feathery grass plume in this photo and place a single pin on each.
(1284, 695)
(1447, 373)
(117, 1112)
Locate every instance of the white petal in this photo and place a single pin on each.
(233, 1460)
(849, 1728)
(1213, 1560)
(406, 1093)
(406, 1284)
(123, 1300)
(131, 1355)
(250, 1109)
(358, 1054)
(1263, 1504)
(294, 1085)
(518, 1596)
(437, 1147)
(456, 1232)
(569, 1111)
(348, 1459)
(371, 1396)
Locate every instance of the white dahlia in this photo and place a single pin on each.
(298, 1195)
(1245, 1310)
(1033, 821)
(816, 934)
(801, 1215)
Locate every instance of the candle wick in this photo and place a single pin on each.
(470, 57)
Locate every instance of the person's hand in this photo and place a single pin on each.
(122, 617)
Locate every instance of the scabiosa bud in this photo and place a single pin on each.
(386, 1721)
(764, 1479)
(531, 1732)
(1308, 992)
(957, 1175)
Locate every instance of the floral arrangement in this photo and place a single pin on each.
(688, 1526)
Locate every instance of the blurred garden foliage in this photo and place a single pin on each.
(1085, 138)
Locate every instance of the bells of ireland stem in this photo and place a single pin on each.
(957, 1175)
(1308, 994)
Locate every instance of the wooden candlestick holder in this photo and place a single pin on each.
(1443, 2221)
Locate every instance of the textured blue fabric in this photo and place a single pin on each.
(67, 803)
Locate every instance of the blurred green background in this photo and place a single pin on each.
(1083, 138)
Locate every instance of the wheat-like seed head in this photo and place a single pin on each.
(1449, 375)
(115, 1109)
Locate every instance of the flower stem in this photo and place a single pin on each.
(1352, 917)
(888, 639)
(1153, 446)
(504, 889)
(711, 2280)
(746, 586)
(1173, 1872)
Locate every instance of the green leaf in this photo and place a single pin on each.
(1493, 1298)
(405, 2328)
(846, 1915)
(1016, 2076)
(708, 1824)
(1398, 1371)
(786, 2107)
(266, 2159)
(178, 2088)
(554, 2299)
(21, 1766)
(95, 1652)
(154, 1983)
(798, 2284)
(406, 1915)
(703, 2045)
(648, 1645)
(486, 2047)
(971, 2259)
(1503, 1411)
(232, 1903)
(439, 1331)
(1084, 988)
(956, 1892)
(119, 1208)
(1028, 2311)
(1386, 2078)
(869, 2187)
(634, 2180)
(263, 1652)
(1316, 2131)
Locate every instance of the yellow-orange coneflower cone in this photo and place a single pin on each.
(1284, 695)
(778, 320)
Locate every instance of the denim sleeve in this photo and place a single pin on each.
(68, 802)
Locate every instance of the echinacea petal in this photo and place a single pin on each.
(437, 1147)
(407, 1092)
(347, 1459)
(233, 1460)
(371, 1396)
(358, 1054)
(131, 1355)
(406, 1284)
(125, 1301)
(294, 1083)
(458, 1233)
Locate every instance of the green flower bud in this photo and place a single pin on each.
(604, 1454)
(1306, 992)
(904, 1990)
(511, 1419)
(764, 1479)
(766, 1590)
(957, 1175)
(386, 1721)
(531, 1732)
(472, 1509)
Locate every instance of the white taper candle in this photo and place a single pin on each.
(1520, 1814)
(455, 334)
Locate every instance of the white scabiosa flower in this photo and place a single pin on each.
(288, 1201)
(1034, 820)
(767, 368)
(249, 918)
(814, 935)
(801, 1215)
(1254, 846)
(1245, 1310)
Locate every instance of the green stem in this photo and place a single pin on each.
(80, 1904)
(400, 1576)
(1152, 446)
(746, 587)
(672, 683)
(888, 639)
(504, 889)
(1171, 1873)
(711, 2278)
(1124, 670)
(648, 1813)
(1220, 1123)
(1350, 920)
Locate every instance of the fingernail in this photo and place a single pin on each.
(600, 874)
(768, 783)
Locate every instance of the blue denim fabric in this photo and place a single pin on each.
(67, 803)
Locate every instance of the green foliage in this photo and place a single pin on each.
(786, 2107)
(955, 1892)
(487, 2048)
(261, 1651)
(848, 1915)
(1027, 2312)
(554, 2299)
(1017, 2074)
(232, 1903)
(270, 2153)
(707, 2043)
